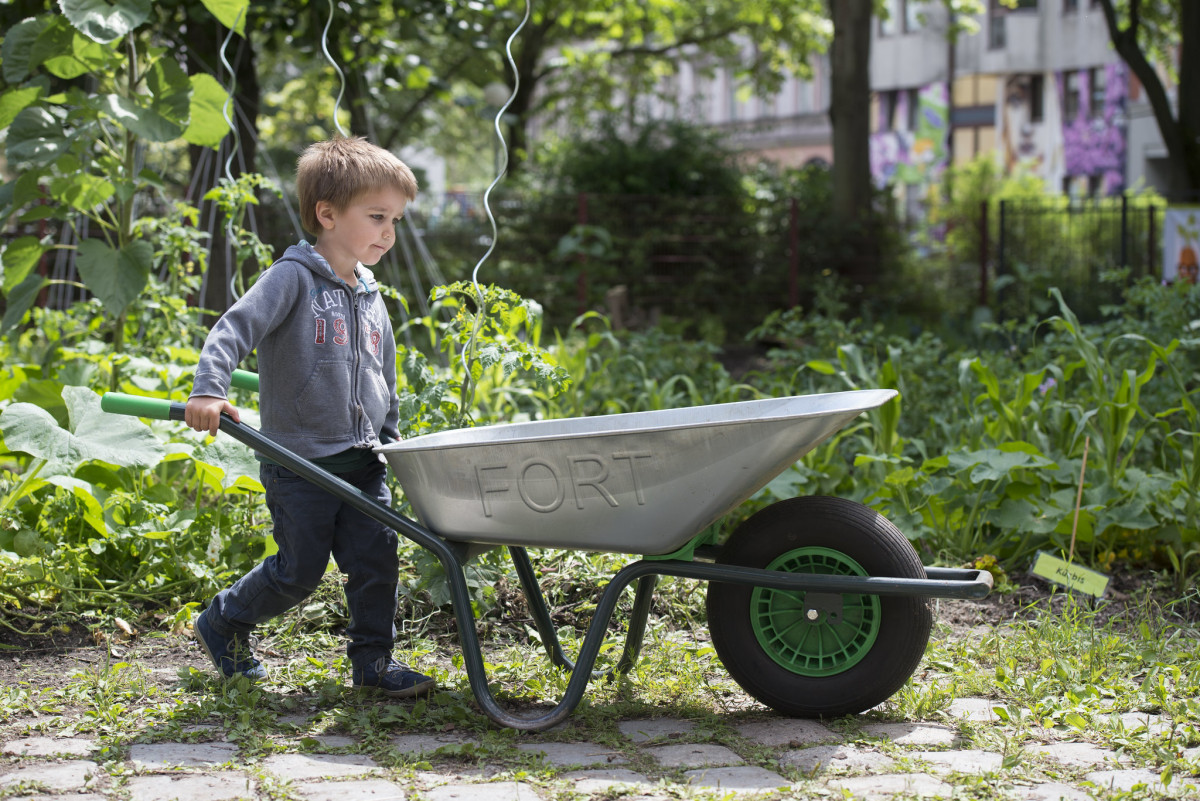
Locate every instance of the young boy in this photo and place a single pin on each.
(327, 378)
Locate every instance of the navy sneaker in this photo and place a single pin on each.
(392, 678)
(231, 656)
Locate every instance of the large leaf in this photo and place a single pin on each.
(66, 53)
(230, 13)
(207, 125)
(116, 277)
(991, 464)
(145, 123)
(36, 137)
(85, 493)
(104, 21)
(24, 191)
(27, 188)
(229, 464)
(92, 434)
(17, 49)
(20, 301)
(81, 190)
(14, 100)
(170, 88)
(18, 259)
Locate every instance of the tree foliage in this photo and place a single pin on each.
(577, 57)
(85, 93)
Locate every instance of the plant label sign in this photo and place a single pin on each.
(1072, 576)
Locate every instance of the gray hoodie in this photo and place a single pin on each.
(326, 356)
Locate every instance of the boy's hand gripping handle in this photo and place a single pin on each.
(160, 408)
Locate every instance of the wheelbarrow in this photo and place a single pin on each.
(817, 606)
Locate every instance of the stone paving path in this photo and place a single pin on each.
(650, 759)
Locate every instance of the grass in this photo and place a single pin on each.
(1062, 669)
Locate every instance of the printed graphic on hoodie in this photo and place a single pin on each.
(329, 304)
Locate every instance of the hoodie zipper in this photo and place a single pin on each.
(356, 344)
(360, 414)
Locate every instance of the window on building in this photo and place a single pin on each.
(806, 96)
(913, 14)
(903, 16)
(914, 106)
(1097, 88)
(1071, 96)
(887, 111)
(891, 22)
(1037, 98)
(997, 35)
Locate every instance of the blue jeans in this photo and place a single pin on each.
(311, 524)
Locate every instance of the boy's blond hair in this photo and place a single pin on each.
(338, 170)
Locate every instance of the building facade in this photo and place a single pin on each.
(1038, 87)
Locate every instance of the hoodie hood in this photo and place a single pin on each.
(304, 253)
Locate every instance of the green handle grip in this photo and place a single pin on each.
(138, 406)
(244, 379)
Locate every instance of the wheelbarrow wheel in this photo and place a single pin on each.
(811, 660)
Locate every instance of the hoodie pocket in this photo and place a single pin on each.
(323, 405)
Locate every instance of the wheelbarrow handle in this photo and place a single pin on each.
(244, 379)
(160, 408)
(138, 406)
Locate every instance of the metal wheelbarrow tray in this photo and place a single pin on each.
(643, 482)
(817, 606)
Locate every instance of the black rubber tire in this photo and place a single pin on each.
(858, 532)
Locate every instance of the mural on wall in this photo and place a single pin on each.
(1019, 132)
(1094, 141)
(917, 156)
(1181, 244)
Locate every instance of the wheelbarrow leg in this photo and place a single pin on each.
(545, 626)
(637, 623)
(538, 608)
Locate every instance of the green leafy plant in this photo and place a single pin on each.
(79, 146)
(491, 334)
(233, 198)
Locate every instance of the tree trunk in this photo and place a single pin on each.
(1180, 135)
(357, 101)
(1189, 86)
(528, 59)
(849, 114)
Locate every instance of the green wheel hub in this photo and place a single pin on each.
(807, 642)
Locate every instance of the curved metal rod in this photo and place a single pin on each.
(341, 75)
(237, 142)
(229, 96)
(480, 298)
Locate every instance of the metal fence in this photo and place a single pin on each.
(1089, 249)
